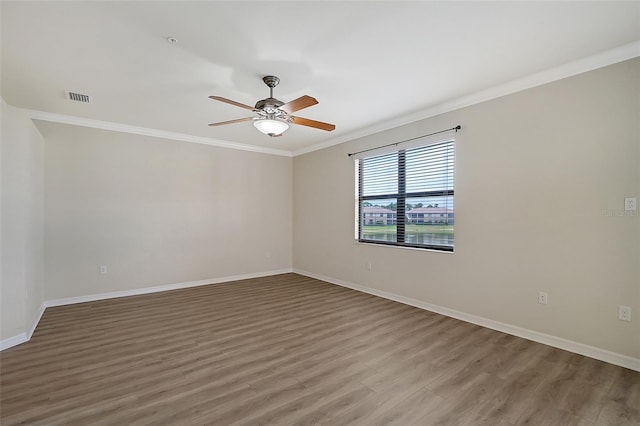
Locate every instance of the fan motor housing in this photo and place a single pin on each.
(268, 103)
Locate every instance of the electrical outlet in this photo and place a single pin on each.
(630, 204)
(624, 313)
(543, 298)
(368, 265)
(103, 270)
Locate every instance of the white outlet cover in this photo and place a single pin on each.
(543, 298)
(624, 313)
(630, 204)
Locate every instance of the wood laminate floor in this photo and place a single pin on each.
(291, 350)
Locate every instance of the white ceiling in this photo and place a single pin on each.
(367, 63)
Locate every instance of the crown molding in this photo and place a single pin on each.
(144, 131)
(570, 69)
(600, 60)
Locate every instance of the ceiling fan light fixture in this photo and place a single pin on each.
(274, 116)
(271, 127)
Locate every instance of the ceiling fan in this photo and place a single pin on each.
(274, 116)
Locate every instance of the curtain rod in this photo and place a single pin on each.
(458, 127)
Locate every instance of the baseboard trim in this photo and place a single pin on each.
(157, 289)
(547, 339)
(10, 342)
(26, 336)
(35, 320)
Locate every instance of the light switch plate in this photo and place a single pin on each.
(630, 204)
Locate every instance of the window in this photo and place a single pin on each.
(406, 198)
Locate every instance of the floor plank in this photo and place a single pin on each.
(290, 349)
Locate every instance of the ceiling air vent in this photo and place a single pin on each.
(78, 97)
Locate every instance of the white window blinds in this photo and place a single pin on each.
(406, 197)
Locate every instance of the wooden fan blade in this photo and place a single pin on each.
(229, 101)
(237, 120)
(298, 104)
(313, 123)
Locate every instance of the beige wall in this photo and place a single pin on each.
(541, 177)
(22, 259)
(536, 174)
(158, 212)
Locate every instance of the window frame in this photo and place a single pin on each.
(401, 198)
